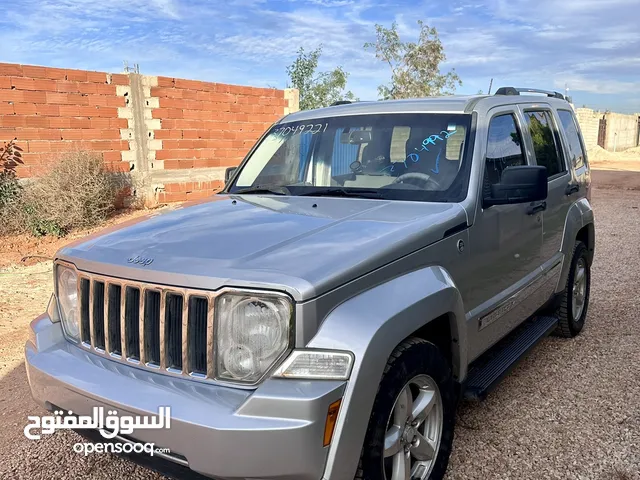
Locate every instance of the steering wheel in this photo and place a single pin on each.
(419, 179)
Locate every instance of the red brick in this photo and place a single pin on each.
(69, 110)
(171, 103)
(119, 79)
(67, 87)
(80, 123)
(118, 123)
(7, 69)
(171, 164)
(115, 102)
(39, 146)
(97, 77)
(113, 156)
(7, 108)
(48, 134)
(71, 134)
(106, 89)
(5, 82)
(53, 73)
(23, 83)
(90, 111)
(118, 166)
(190, 84)
(47, 110)
(168, 134)
(164, 82)
(34, 97)
(109, 134)
(13, 121)
(190, 94)
(87, 87)
(35, 158)
(76, 75)
(175, 153)
(77, 99)
(45, 84)
(222, 88)
(37, 121)
(100, 123)
(7, 133)
(164, 92)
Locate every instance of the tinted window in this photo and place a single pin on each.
(575, 145)
(504, 147)
(545, 141)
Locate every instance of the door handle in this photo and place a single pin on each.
(572, 188)
(536, 207)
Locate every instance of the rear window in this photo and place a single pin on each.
(576, 149)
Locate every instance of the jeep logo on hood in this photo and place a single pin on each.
(140, 260)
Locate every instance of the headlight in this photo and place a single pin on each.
(316, 364)
(252, 332)
(67, 293)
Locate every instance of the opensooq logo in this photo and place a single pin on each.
(140, 260)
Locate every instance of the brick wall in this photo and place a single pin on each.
(176, 136)
(52, 110)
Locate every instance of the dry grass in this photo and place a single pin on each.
(77, 192)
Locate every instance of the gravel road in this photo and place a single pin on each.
(568, 411)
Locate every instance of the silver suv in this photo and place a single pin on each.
(366, 266)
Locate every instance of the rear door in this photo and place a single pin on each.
(547, 146)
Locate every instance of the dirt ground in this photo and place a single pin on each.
(568, 411)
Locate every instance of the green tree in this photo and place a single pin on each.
(317, 89)
(415, 67)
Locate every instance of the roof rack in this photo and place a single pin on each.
(518, 91)
(341, 102)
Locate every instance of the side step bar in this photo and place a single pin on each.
(494, 365)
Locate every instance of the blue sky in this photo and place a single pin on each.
(591, 45)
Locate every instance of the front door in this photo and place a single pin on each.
(505, 243)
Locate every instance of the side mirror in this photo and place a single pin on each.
(228, 173)
(521, 184)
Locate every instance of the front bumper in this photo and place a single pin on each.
(272, 432)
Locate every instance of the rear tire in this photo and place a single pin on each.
(415, 404)
(574, 300)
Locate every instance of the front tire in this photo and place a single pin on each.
(574, 300)
(410, 431)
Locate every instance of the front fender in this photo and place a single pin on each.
(371, 325)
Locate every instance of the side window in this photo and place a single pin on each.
(504, 147)
(575, 145)
(546, 144)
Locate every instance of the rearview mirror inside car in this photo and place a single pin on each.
(520, 184)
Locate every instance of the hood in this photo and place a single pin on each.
(303, 245)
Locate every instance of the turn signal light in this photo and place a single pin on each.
(332, 416)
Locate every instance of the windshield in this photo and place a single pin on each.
(418, 156)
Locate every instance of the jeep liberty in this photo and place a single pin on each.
(366, 266)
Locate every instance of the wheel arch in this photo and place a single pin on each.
(371, 326)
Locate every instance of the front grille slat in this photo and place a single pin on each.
(153, 337)
(85, 309)
(161, 327)
(173, 331)
(123, 322)
(141, 342)
(97, 334)
(114, 300)
(184, 345)
(131, 329)
(197, 331)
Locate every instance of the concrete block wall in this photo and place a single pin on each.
(622, 131)
(176, 136)
(589, 121)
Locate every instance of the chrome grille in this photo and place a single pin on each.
(152, 326)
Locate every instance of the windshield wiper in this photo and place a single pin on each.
(273, 189)
(342, 192)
